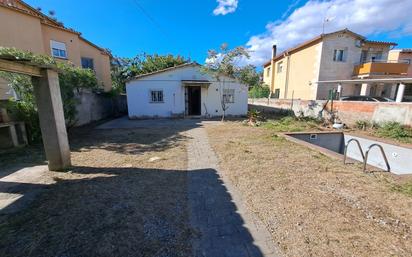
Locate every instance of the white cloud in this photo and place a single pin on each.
(365, 17)
(225, 7)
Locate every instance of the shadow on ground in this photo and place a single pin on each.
(119, 135)
(124, 212)
(132, 136)
(114, 211)
(12, 160)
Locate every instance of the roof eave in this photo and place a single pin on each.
(267, 64)
(380, 43)
(164, 70)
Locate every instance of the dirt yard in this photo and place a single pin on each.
(314, 205)
(126, 195)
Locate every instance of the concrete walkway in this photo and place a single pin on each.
(224, 227)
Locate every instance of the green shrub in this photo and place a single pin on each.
(36, 59)
(365, 125)
(26, 111)
(73, 79)
(405, 189)
(292, 124)
(362, 124)
(254, 115)
(395, 130)
(259, 91)
(23, 109)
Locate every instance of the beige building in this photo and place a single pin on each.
(342, 55)
(24, 27)
(403, 56)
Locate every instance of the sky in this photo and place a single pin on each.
(191, 28)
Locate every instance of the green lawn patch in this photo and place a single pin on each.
(292, 124)
(404, 189)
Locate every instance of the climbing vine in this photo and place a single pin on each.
(72, 79)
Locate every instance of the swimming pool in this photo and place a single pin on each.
(333, 143)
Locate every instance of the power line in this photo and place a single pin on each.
(150, 18)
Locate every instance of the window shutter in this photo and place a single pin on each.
(58, 49)
(345, 55)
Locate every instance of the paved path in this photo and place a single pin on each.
(225, 228)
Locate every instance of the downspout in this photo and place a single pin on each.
(287, 77)
(272, 67)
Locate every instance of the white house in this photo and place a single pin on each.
(184, 91)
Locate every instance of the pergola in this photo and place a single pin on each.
(365, 82)
(50, 108)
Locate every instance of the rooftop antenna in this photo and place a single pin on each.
(326, 19)
(324, 23)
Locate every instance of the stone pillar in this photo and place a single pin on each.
(52, 123)
(4, 115)
(393, 91)
(401, 92)
(339, 91)
(22, 127)
(13, 135)
(366, 89)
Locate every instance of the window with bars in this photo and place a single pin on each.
(156, 96)
(228, 95)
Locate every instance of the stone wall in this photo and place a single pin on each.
(348, 111)
(93, 107)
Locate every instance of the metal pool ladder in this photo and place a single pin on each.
(365, 160)
(366, 155)
(346, 150)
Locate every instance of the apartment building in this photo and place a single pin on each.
(26, 28)
(342, 56)
(402, 56)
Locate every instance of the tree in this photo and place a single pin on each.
(259, 91)
(225, 65)
(127, 68)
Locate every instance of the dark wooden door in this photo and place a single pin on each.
(194, 100)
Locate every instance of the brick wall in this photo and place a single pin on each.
(348, 111)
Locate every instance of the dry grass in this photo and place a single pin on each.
(314, 205)
(292, 124)
(113, 202)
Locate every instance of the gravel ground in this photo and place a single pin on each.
(314, 205)
(126, 195)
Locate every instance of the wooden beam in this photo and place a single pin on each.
(21, 68)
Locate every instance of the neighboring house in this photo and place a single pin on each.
(403, 56)
(339, 56)
(26, 28)
(184, 91)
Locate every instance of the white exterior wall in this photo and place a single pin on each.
(138, 95)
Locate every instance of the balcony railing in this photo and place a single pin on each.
(381, 68)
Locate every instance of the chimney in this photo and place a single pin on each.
(273, 51)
